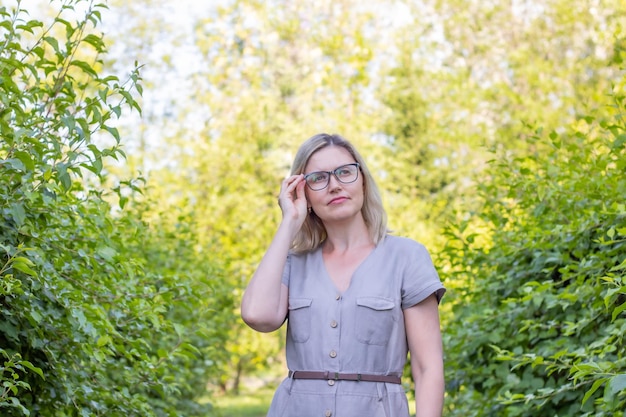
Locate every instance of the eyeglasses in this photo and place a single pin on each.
(345, 174)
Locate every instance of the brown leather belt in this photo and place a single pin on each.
(338, 376)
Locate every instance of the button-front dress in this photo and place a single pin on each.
(358, 331)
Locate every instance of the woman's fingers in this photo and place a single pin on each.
(292, 182)
(289, 189)
(292, 199)
(300, 195)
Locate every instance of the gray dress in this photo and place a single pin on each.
(358, 331)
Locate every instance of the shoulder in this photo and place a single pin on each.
(404, 246)
(301, 255)
(301, 258)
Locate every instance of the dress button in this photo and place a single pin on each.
(328, 413)
(333, 354)
(333, 324)
(331, 382)
(338, 297)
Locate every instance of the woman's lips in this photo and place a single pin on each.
(337, 200)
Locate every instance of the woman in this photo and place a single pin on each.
(356, 299)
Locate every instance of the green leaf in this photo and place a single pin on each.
(103, 340)
(107, 253)
(33, 368)
(28, 27)
(616, 384)
(84, 127)
(113, 131)
(611, 232)
(619, 141)
(620, 267)
(23, 264)
(26, 159)
(80, 317)
(18, 213)
(180, 329)
(594, 387)
(69, 28)
(85, 67)
(52, 42)
(34, 314)
(14, 164)
(66, 181)
(64, 176)
(618, 310)
(97, 165)
(95, 41)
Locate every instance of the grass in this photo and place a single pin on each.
(246, 404)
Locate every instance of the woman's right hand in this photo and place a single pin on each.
(292, 199)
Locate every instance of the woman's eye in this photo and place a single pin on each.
(318, 178)
(342, 172)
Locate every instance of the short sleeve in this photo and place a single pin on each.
(287, 270)
(420, 278)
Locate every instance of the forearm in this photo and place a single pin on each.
(263, 307)
(429, 393)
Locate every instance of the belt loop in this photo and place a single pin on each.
(380, 386)
(358, 377)
(289, 385)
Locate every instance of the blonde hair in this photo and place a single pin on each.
(313, 232)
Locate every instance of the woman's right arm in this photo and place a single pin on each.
(265, 300)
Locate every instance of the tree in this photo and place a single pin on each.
(467, 76)
(95, 301)
(537, 278)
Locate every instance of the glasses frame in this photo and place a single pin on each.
(333, 172)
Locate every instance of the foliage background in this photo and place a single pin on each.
(141, 158)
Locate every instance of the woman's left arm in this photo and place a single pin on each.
(425, 345)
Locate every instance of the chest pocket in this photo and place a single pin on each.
(375, 320)
(299, 322)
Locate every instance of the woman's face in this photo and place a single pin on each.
(339, 200)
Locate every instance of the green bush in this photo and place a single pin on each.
(102, 312)
(537, 279)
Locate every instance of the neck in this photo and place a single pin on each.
(347, 236)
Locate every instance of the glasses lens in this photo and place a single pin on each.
(347, 173)
(317, 180)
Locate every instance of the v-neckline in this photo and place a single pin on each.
(329, 278)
